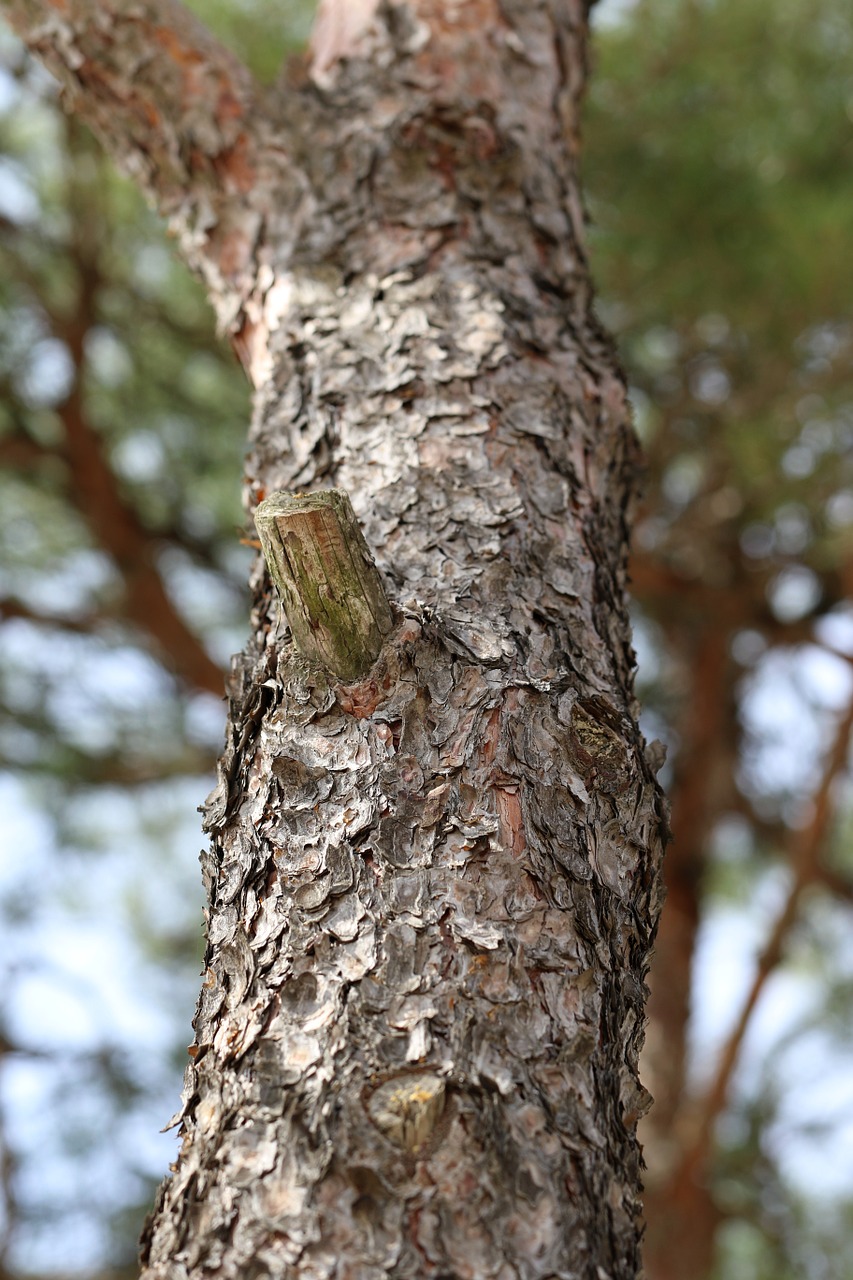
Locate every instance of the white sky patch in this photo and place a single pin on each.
(609, 13)
(18, 201)
(836, 628)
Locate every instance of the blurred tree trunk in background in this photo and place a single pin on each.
(432, 893)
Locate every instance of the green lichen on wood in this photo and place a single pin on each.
(330, 588)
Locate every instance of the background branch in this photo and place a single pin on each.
(805, 850)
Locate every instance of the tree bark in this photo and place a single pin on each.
(432, 893)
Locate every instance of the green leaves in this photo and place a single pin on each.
(724, 193)
(261, 32)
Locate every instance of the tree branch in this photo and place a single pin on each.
(94, 490)
(79, 624)
(172, 106)
(19, 451)
(704, 728)
(804, 860)
(98, 771)
(836, 882)
(117, 528)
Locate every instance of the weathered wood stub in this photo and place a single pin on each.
(333, 598)
(432, 892)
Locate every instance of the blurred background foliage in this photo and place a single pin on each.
(719, 175)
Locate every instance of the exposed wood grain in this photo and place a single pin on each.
(328, 581)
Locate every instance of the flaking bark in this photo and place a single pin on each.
(432, 893)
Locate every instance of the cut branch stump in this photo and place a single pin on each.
(329, 585)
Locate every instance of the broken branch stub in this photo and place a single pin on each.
(329, 585)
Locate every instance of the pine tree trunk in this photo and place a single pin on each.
(432, 892)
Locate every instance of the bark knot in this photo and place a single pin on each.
(407, 1108)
